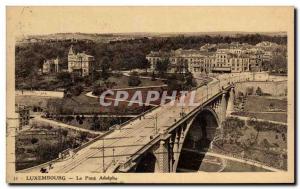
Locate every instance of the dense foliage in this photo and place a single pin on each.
(134, 81)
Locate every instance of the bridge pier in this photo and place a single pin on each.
(220, 107)
(162, 154)
(163, 157)
(171, 154)
(175, 151)
(222, 112)
(176, 146)
(230, 106)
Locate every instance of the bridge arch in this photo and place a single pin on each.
(147, 163)
(199, 134)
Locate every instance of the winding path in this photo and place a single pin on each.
(62, 125)
(249, 162)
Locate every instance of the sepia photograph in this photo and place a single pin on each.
(150, 94)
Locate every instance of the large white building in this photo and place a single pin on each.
(80, 63)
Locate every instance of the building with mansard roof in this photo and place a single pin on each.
(80, 63)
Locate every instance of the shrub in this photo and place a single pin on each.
(34, 140)
(259, 91)
(77, 90)
(109, 84)
(46, 151)
(134, 81)
(69, 118)
(20, 150)
(83, 136)
(65, 133)
(153, 77)
(87, 82)
(98, 90)
(64, 76)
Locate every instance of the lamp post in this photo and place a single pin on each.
(113, 155)
(155, 123)
(206, 84)
(103, 167)
(219, 82)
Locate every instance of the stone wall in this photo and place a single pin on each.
(275, 88)
(53, 94)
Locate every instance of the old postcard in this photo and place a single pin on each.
(150, 95)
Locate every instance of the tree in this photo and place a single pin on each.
(83, 136)
(64, 76)
(271, 106)
(259, 91)
(69, 118)
(153, 77)
(46, 151)
(95, 123)
(34, 140)
(189, 81)
(108, 84)
(77, 118)
(77, 90)
(98, 90)
(145, 64)
(116, 62)
(105, 123)
(134, 81)
(33, 78)
(162, 66)
(65, 133)
(278, 64)
(174, 84)
(105, 67)
(88, 82)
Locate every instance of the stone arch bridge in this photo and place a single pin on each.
(137, 146)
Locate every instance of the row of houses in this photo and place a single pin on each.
(235, 58)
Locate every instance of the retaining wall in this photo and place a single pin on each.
(54, 94)
(275, 88)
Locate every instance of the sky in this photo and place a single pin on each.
(47, 20)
